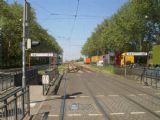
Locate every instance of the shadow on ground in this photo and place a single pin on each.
(39, 116)
(71, 96)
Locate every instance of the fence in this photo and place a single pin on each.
(6, 82)
(12, 79)
(151, 76)
(30, 76)
(129, 71)
(14, 101)
(148, 76)
(15, 105)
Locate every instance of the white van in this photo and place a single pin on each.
(100, 63)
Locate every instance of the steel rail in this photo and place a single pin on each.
(62, 109)
(136, 88)
(135, 102)
(121, 82)
(96, 101)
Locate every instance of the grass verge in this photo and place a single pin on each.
(105, 69)
(61, 68)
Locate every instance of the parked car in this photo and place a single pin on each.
(100, 63)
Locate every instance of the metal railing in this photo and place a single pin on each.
(15, 105)
(151, 76)
(12, 79)
(129, 71)
(31, 74)
(6, 82)
(148, 76)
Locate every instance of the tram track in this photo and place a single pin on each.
(134, 88)
(122, 92)
(126, 84)
(125, 96)
(96, 101)
(63, 101)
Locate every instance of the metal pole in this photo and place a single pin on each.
(23, 58)
(23, 47)
(125, 72)
(0, 46)
(29, 59)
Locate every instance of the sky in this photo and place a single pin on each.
(72, 22)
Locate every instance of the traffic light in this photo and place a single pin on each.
(35, 43)
(31, 43)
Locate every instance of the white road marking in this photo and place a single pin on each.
(53, 115)
(117, 113)
(84, 96)
(133, 113)
(94, 114)
(113, 95)
(72, 115)
(32, 104)
(131, 95)
(157, 111)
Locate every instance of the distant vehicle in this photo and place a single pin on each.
(95, 59)
(100, 63)
(87, 60)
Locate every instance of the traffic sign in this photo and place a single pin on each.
(137, 53)
(43, 55)
(45, 79)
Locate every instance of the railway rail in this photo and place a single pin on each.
(89, 95)
(120, 88)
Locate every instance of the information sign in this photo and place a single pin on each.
(45, 79)
(43, 55)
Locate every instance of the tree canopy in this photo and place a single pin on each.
(134, 27)
(11, 33)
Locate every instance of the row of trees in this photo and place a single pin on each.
(135, 27)
(11, 34)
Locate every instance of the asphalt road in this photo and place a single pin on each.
(86, 95)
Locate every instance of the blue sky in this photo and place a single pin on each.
(58, 18)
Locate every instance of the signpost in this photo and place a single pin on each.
(125, 66)
(45, 82)
(26, 20)
(131, 54)
(43, 55)
(50, 55)
(25, 36)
